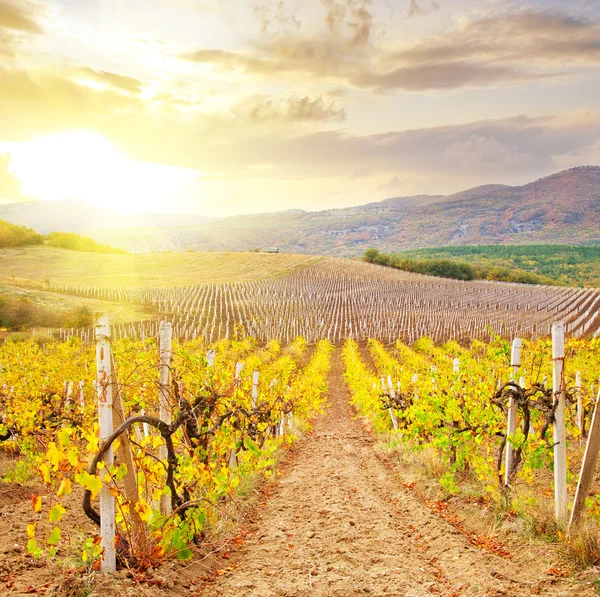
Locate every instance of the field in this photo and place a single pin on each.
(34, 266)
(338, 299)
(322, 427)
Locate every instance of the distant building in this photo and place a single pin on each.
(273, 250)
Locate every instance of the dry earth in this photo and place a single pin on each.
(341, 524)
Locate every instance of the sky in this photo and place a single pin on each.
(246, 106)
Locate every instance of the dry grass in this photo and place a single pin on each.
(32, 266)
(63, 303)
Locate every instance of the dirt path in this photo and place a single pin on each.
(341, 524)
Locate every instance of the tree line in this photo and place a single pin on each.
(12, 236)
(457, 270)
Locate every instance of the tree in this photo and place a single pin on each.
(371, 255)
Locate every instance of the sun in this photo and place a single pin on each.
(85, 165)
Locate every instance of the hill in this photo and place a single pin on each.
(562, 208)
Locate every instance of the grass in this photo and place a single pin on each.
(30, 267)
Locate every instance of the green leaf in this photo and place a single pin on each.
(54, 537)
(184, 554)
(56, 513)
(252, 447)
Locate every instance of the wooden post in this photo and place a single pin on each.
(511, 427)
(165, 347)
(588, 468)
(390, 409)
(69, 396)
(392, 396)
(105, 422)
(125, 456)
(233, 460)
(238, 369)
(560, 436)
(81, 396)
(254, 390)
(579, 402)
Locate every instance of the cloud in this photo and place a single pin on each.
(10, 187)
(302, 109)
(417, 8)
(166, 97)
(520, 38)
(274, 18)
(445, 76)
(391, 185)
(38, 101)
(478, 151)
(237, 142)
(491, 149)
(114, 80)
(349, 16)
(19, 17)
(8, 43)
(499, 50)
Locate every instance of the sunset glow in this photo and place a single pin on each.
(223, 108)
(86, 166)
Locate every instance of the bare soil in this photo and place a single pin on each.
(341, 523)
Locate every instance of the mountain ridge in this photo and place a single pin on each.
(561, 208)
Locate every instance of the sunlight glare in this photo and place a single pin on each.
(85, 165)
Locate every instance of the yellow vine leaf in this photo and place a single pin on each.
(31, 530)
(144, 510)
(92, 483)
(36, 503)
(64, 488)
(45, 472)
(56, 513)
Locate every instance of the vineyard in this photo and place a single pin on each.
(455, 401)
(138, 445)
(336, 299)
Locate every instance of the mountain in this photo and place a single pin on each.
(563, 208)
(77, 216)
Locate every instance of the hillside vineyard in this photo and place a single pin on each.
(337, 299)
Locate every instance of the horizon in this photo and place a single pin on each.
(287, 209)
(196, 106)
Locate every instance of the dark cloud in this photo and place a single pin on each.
(124, 83)
(303, 109)
(19, 16)
(10, 187)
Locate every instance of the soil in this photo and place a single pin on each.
(341, 523)
(338, 522)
